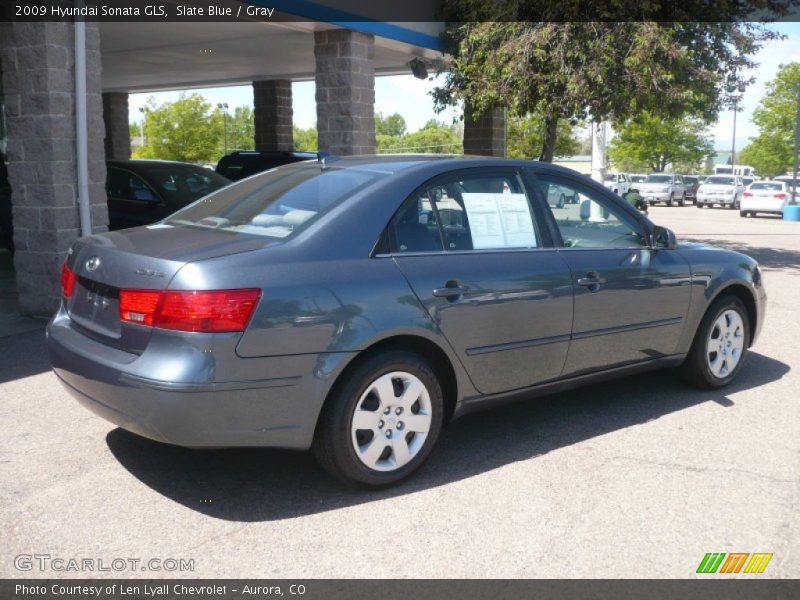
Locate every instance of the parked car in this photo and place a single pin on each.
(243, 163)
(334, 307)
(725, 190)
(141, 192)
(636, 178)
(559, 197)
(766, 197)
(663, 187)
(619, 183)
(692, 183)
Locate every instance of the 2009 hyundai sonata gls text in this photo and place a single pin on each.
(355, 306)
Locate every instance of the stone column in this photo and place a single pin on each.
(272, 114)
(39, 87)
(486, 135)
(118, 133)
(345, 94)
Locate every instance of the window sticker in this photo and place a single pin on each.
(499, 220)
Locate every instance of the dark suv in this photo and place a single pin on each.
(243, 163)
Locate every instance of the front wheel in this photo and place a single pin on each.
(562, 200)
(682, 201)
(380, 425)
(671, 201)
(719, 349)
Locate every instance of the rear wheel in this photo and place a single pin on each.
(380, 425)
(744, 213)
(682, 201)
(562, 200)
(719, 349)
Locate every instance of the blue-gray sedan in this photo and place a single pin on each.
(355, 306)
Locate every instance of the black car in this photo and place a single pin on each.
(243, 163)
(141, 192)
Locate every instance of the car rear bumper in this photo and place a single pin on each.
(200, 407)
(765, 206)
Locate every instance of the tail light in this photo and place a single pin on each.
(212, 311)
(779, 196)
(748, 194)
(68, 280)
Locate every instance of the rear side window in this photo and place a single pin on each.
(278, 203)
(466, 213)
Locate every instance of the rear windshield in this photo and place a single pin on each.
(277, 203)
(767, 185)
(720, 181)
(658, 179)
(691, 179)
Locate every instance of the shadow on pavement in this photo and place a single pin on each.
(770, 258)
(264, 484)
(24, 353)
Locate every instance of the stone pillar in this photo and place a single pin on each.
(345, 94)
(486, 135)
(39, 86)
(272, 114)
(118, 133)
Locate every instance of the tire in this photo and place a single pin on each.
(699, 204)
(682, 201)
(336, 440)
(743, 213)
(671, 201)
(562, 199)
(697, 368)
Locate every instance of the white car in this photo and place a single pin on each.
(663, 187)
(725, 190)
(619, 183)
(766, 197)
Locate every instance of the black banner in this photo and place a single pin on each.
(329, 589)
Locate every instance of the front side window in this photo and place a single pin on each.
(594, 221)
(277, 203)
(460, 213)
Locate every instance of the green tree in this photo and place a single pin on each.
(186, 130)
(394, 124)
(771, 151)
(305, 139)
(653, 142)
(552, 60)
(241, 129)
(525, 136)
(434, 138)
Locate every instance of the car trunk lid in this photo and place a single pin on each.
(145, 258)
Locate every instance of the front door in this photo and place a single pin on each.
(630, 300)
(474, 254)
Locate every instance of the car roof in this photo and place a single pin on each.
(147, 162)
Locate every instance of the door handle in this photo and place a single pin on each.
(592, 280)
(452, 289)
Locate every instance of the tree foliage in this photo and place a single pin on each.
(547, 59)
(241, 129)
(525, 136)
(393, 124)
(305, 139)
(771, 151)
(650, 141)
(434, 138)
(186, 129)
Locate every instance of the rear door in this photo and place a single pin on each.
(471, 246)
(630, 300)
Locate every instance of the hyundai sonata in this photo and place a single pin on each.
(355, 306)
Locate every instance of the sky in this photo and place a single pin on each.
(411, 98)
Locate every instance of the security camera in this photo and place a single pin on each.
(418, 68)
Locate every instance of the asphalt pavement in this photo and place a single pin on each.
(636, 478)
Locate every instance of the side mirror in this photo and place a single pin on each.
(663, 239)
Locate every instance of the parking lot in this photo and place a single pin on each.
(637, 478)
